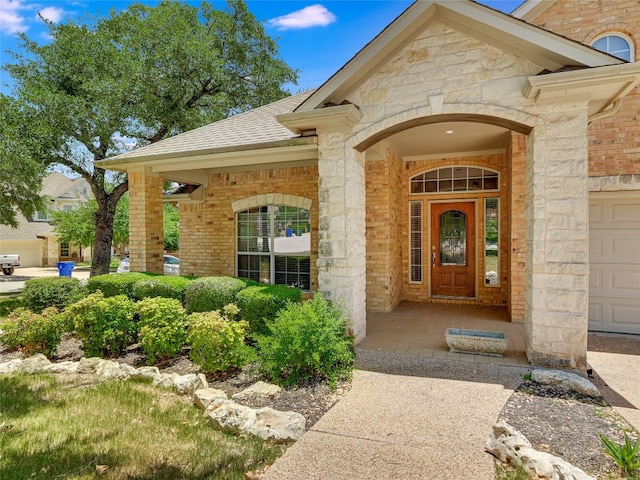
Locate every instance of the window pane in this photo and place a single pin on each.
(492, 236)
(455, 179)
(453, 238)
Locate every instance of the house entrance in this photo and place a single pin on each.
(453, 249)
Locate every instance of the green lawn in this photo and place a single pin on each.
(50, 429)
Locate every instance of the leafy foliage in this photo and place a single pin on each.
(102, 86)
(41, 293)
(21, 172)
(217, 341)
(162, 327)
(211, 293)
(105, 325)
(171, 217)
(306, 340)
(626, 454)
(161, 286)
(120, 284)
(261, 303)
(33, 332)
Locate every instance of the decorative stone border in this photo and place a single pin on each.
(476, 342)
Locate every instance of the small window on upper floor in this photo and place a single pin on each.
(616, 45)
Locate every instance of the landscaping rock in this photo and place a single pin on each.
(109, 369)
(150, 373)
(567, 380)
(88, 365)
(278, 426)
(231, 417)
(62, 367)
(206, 396)
(258, 391)
(165, 380)
(10, 366)
(511, 447)
(187, 384)
(34, 364)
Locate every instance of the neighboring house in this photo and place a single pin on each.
(452, 160)
(34, 239)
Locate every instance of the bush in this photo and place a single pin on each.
(162, 327)
(217, 341)
(260, 303)
(306, 340)
(105, 325)
(211, 293)
(41, 293)
(8, 304)
(249, 282)
(165, 286)
(118, 284)
(33, 332)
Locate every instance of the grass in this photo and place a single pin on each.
(51, 429)
(510, 472)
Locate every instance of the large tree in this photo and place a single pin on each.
(135, 77)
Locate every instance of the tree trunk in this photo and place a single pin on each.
(104, 234)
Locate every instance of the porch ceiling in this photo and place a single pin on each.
(443, 139)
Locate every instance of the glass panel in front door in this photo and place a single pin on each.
(453, 238)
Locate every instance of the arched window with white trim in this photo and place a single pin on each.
(454, 180)
(616, 44)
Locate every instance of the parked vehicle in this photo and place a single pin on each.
(8, 262)
(171, 265)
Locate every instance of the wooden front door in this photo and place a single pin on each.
(453, 249)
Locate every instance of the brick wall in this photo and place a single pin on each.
(614, 142)
(146, 235)
(384, 233)
(516, 226)
(208, 230)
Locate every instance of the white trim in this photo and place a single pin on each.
(484, 240)
(616, 33)
(415, 282)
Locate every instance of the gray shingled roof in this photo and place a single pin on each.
(26, 230)
(257, 126)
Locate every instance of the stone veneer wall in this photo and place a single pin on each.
(384, 233)
(208, 230)
(614, 142)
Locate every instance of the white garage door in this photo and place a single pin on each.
(614, 256)
(30, 251)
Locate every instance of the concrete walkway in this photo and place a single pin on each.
(429, 419)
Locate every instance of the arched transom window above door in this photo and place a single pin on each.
(455, 179)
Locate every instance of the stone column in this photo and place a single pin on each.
(146, 235)
(341, 230)
(556, 303)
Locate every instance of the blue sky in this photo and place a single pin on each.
(315, 37)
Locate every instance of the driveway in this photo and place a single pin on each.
(15, 283)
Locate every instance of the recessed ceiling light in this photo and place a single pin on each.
(449, 132)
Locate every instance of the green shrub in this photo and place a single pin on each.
(211, 293)
(249, 282)
(626, 454)
(8, 304)
(33, 332)
(118, 284)
(164, 286)
(306, 340)
(105, 325)
(260, 303)
(162, 327)
(217, 341)
(41, 293)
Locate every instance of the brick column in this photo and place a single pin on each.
(341, 230)
(556, 308)
(146, 236)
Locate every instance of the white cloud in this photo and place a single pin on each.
(11, 21)
(312, 16)
(53, 14)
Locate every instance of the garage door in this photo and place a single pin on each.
(614, 256)
(30, 251)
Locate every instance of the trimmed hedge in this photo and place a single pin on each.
(262, 303)
(118, 284)
(41, 293)
(211, 293)
(164, 286)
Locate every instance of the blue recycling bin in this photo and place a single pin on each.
(65, 268)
